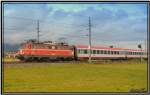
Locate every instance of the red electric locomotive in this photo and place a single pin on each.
(45, 51)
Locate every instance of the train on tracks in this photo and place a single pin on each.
(49, 51)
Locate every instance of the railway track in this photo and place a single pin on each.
(20, 62)
(69, 62)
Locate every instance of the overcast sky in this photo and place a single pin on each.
(121, 25)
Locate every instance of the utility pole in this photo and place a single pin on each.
(38, 31)
(140, 46)
(141, 54)
(89, 40)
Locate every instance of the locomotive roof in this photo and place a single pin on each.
(107, 48)
(46, 43)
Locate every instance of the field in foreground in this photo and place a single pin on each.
(60, 77)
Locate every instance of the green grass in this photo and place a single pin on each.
(9, 59)
(75, 77)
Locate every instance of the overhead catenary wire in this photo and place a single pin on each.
(51, 23)
(84, 31)
(47, 22)
(41, 21)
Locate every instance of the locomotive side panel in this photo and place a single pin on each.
(45, 51)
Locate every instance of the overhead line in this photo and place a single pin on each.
(23, 18)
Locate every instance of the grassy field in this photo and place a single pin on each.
(10, 59)
(60, 77)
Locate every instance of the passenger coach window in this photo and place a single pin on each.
(78, 51)
(132, 53)
(129, 53)
(85, 51)
(136, 53)
(102, 52)
(141, 53)
(105, 52)
(98, 51)
(117, 52)
(108, 52)
(111, 52)
(94, 51)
